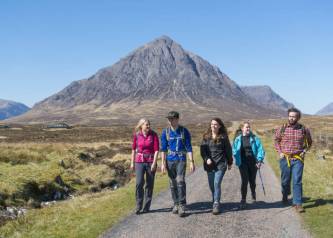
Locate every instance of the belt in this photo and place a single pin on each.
(145, 156)
(179, 153)
(292, 156)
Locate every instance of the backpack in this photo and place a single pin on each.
(182, 134)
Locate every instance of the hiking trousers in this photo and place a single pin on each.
(248, 172)
(176, 172)
(294, 173)
(144, 194)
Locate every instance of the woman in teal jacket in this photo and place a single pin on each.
(249, 154)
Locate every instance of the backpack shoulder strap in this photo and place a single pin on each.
(167, 132)
(182, 133)
(137, 143)
(283, 129)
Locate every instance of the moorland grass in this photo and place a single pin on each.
(88, 215)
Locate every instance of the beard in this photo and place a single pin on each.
(291, 122)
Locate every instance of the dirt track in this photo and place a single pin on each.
(266, 218)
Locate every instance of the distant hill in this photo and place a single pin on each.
(266, 97)
(10, 109)
(327, 110)
(150, 81)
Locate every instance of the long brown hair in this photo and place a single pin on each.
(222, 133)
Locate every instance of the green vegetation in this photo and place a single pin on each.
(87, 215)
(31, 173)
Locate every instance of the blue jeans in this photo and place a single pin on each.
(214, 181)
(294, 172)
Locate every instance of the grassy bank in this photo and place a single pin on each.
(84, 216)
(317, 191)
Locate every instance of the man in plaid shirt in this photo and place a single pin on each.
(292, 141)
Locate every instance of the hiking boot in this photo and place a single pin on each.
(216, 208)
(181, 210)
(253, 198)
(137, 210)
(242, 204)
(145, 210)
(299, 208)
(175, 209)
(285, 200)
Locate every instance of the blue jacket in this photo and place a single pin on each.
(257, 148)
(178, 142)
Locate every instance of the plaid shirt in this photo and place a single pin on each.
(293, 141)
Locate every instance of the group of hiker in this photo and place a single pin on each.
(292, 141)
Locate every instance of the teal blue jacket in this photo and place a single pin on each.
(257, 149)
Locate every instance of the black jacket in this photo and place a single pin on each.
(220, 153)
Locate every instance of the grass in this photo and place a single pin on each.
(88, 215)
(26, 170)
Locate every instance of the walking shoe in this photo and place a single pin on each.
(242, 204)
(145, 210)
(299, 208)
(181, 210)
(137, 210)
(254, 197)
(285, 200)
(216, 208)
(175, 209)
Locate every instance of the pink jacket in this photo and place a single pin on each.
(145, 146)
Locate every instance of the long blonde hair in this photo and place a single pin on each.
(239, 130)
(138, 126)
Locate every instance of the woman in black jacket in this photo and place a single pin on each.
(216, 153)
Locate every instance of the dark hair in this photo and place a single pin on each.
(294, 109)
(222, 133)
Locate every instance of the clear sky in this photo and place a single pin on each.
(286, 44)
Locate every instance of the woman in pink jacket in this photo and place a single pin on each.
(145, 149)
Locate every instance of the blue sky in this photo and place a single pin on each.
(288, 45)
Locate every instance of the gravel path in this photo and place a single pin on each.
(265, 218)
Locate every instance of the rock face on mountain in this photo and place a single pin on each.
(327, 110)
(155, 78)
(10, 109)
(266, 97)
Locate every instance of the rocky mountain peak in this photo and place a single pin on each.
(155, 77)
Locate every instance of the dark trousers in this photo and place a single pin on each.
(176, 172)
(144, 195)
(248, 172)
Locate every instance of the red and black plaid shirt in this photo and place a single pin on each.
(293, 140)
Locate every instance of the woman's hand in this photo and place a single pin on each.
(209, 161)
(258, 165)
(154, 166)
(132, 165)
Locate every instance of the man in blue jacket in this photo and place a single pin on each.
(175, 145)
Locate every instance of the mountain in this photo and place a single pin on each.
(266, 97)
(155, 78)
(11, 109)
(327, 110)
